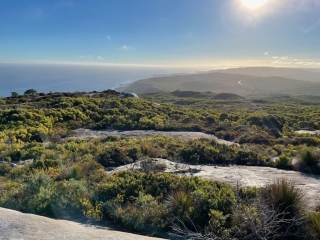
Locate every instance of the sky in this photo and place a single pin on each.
(161, 32)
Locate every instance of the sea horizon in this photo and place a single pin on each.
(18, 77)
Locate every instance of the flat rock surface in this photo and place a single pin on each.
(87, 134)
(245, 176)
(316, 132)
(20, 226)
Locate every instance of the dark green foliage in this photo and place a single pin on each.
(245, 157)
(14, 94)
(31, 93)
(201, 198)
(272, 122)
(181, 203)
(315, 224)
(309, 161)
(45, 164)
(228, 96)
(4, 168)
(112, 157)
(76, 173)
(74, 110)
(37, 195)
(289, 203)
(70, 199)
(284, 162)
(285, 197)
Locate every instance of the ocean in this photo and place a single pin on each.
(71, 78)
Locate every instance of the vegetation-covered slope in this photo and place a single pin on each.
(309, 75)
(42, 173)
(218, 82)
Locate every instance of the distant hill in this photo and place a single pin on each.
(225, 82)
(193, 94)
(309, 75)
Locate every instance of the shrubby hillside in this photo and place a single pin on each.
(43, 173)
(242, 81)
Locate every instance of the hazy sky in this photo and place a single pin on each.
(161, 32)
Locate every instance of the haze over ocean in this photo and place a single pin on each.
(71, 78)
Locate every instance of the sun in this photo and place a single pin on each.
(254, 4)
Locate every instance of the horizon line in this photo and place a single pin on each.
(217, 65)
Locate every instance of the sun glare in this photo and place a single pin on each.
(253, 4)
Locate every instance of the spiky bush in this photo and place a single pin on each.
(289, 206)
(181, 203)
(309, 161)
(283, 195)
(308, 158)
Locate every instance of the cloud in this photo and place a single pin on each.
(100, 58)
(85, 56)
(283, 58)
(301, 63)
(126, 48)
(108, 37)
(266, 53)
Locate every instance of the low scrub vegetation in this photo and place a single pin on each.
(310, 161)
(162, 204)
(42, 173)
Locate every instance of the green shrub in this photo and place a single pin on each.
(45, 164)
(248, 193)
(315, 224)
(181, 203)
(10, 195)
(71, 199)
(284, 196)
(283, 162)
(308, 158)
(114, 157)
(144, 214)
(149, 165)
(37, 195)
(19, 173)
(76, 173)
(160, 167)
(4, 169)
(309, 161)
